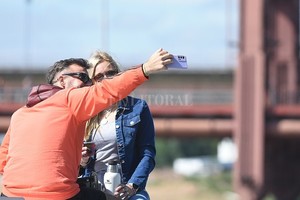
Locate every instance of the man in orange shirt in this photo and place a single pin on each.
(41, 151)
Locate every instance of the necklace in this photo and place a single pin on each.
(95, 130)
(106, 113)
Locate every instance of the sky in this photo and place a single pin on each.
(37, 33)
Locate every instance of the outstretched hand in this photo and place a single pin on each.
(157, 62)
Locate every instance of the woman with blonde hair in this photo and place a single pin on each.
(124, 133)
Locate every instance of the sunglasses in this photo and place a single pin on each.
(108, 74)
(80, 75)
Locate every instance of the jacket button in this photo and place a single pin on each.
(117, 126)
(132, 122)
(120, 145)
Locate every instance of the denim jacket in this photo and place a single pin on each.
(135, 141)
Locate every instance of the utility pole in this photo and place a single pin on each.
(105, 25)
(27, 34)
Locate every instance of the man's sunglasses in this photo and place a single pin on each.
(108, 74)
(80, 75)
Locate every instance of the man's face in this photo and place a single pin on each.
(74, 76)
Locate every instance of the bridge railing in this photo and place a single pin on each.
(153, 96)
(13, 94)
(167, 97)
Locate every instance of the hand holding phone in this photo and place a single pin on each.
(179, 62)
(90, 147)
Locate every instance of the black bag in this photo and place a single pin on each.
(88, 182)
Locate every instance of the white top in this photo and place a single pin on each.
(106, 147)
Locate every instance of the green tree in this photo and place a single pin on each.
(168, 149)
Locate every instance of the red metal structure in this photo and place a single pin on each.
(267, 82)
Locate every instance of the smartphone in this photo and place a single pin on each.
(91, 147)
(85, 143)
(179, 62)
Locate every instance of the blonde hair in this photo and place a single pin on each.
(98, 57)
(95, 59)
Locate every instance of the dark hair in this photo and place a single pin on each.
(64, 64)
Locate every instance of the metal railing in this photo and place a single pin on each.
(13, 94)
(153, 96)
(168, 97)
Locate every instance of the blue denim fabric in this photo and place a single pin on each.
(140, 195)
(135, 140)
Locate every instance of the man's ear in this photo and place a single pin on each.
(61, 81)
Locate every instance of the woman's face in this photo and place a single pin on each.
(103, 67)
(104, 70)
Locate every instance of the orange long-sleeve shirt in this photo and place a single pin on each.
(41, 151)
